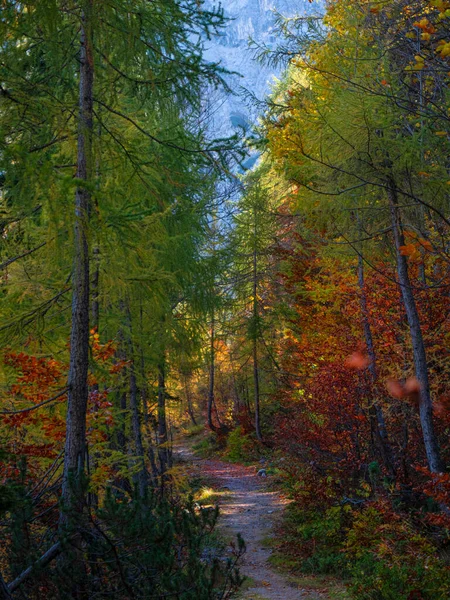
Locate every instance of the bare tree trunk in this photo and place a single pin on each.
(75, 446)
(190, 407)
(141, 478)
(163, 439)
(122, 439)
(95, 307)
(94, 391)
(211, 374)
(144, 396)
(420, 360)
(148, 429)
(52, 553)
(375, 410)
(121, 429)
(255, 340)
(138, 448)
(237, 402)
(256, 384)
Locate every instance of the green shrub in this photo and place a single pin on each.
(405, 578)
(389, 560)
(325, 532)
(193, 430)
(208, 446)
(239, 446)
(377, 550)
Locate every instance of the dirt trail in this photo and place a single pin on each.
(248, 507)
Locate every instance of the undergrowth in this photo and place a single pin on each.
(378, 553)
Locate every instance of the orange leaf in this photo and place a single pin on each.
(407, 250)
(357, 361)
(412, 386)
(395, 388)
(426, 244)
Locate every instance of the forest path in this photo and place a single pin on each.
(249, 507)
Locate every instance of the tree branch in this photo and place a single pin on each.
(24, 410)
(45, 559)
(11, 260)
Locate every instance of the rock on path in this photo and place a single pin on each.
(248, 507)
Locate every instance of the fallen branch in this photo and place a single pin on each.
(45, 559)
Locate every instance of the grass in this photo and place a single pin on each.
(207, 496)
(248, 584)
(192, 430)
(289, 566)
(207, 446)
(321, 583)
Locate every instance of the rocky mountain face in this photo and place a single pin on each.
(248, 19)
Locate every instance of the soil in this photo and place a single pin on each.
(248, 506)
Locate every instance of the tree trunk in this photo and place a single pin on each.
(256, 384)
(144, 396)
(255, 341)
(163, 450)
(148, 429)
(190, 407)
(141, 476)
(211, 374)
(95, 290)
(94, 391)
(122, 439)
(420, 360)
(75, 446)
(375, 411)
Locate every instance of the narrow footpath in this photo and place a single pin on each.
(248, 507)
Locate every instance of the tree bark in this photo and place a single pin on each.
(148, 429)
(42, 562)
(432, 450)
(163, 451)
(375, 410)
(190, 407)
(141, 477)
(95, 290)
(144, 396)
(75, 446)
(211, 374)
(94, 391)
(255, 338)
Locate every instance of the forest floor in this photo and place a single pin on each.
(250, 507)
